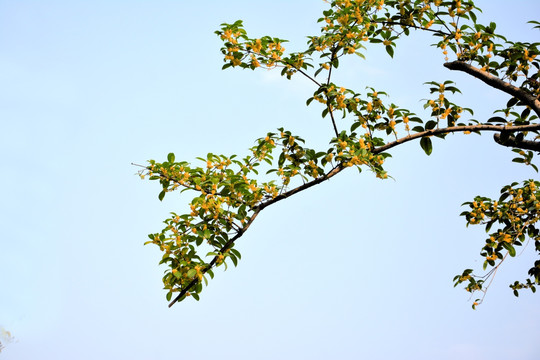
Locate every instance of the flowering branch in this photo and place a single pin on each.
(336, 170)
(241, 231)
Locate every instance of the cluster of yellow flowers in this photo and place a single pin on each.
(357, 152)
(255, 46)
(528, 57)
(260, 52)
(216, 211)
(478, 212)
(340, 98)
(275, 53)
(231, 51)
(229, 36)
(456, 8)
(441, 108)
(473, 286)
(518, 210)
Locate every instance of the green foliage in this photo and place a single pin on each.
(229, 193)
(516, 213)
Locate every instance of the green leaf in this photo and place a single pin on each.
(360, 54)
(355, 125)
(161, 195)
(489, 225)
(242, 212)
(234, 259)
(525, 113)
(426, 145)
(170, 157)
(497, 119)
(510, 248)
(281, 160)
(513, 101)
(473, 16)
(431, 124)
(390, 50)
(191, 273)
(325, 112)
(195, 296)
(168, 296)
(236, 253)
(453, 89)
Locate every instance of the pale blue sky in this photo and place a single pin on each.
(354, 268)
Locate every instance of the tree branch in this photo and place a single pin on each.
(306, 75)
(497, 83)
(328, 105)
(303, 187)
(211, 264)
(416, 27)
(257, 210)
(332, 117)
(336, 170)
(511, 141)
(448, 130)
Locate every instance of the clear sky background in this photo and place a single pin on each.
(354, 268)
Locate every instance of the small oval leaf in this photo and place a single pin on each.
(426, 145)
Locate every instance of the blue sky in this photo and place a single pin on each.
(355, 268)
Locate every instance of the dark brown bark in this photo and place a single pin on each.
(512, 141)
(497, 83)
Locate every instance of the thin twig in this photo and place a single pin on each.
(306, 75)
(328, 104)
(332, 117)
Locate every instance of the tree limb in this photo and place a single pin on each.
(257, 210)
(497, 83)
(448, 130)
(336, 170)
(416, 27)
(512, 141)
(303, 187)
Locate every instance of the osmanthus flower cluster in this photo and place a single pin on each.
(230, 193)
(229, 197)
(516, 212)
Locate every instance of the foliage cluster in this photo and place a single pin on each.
(230, 192)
